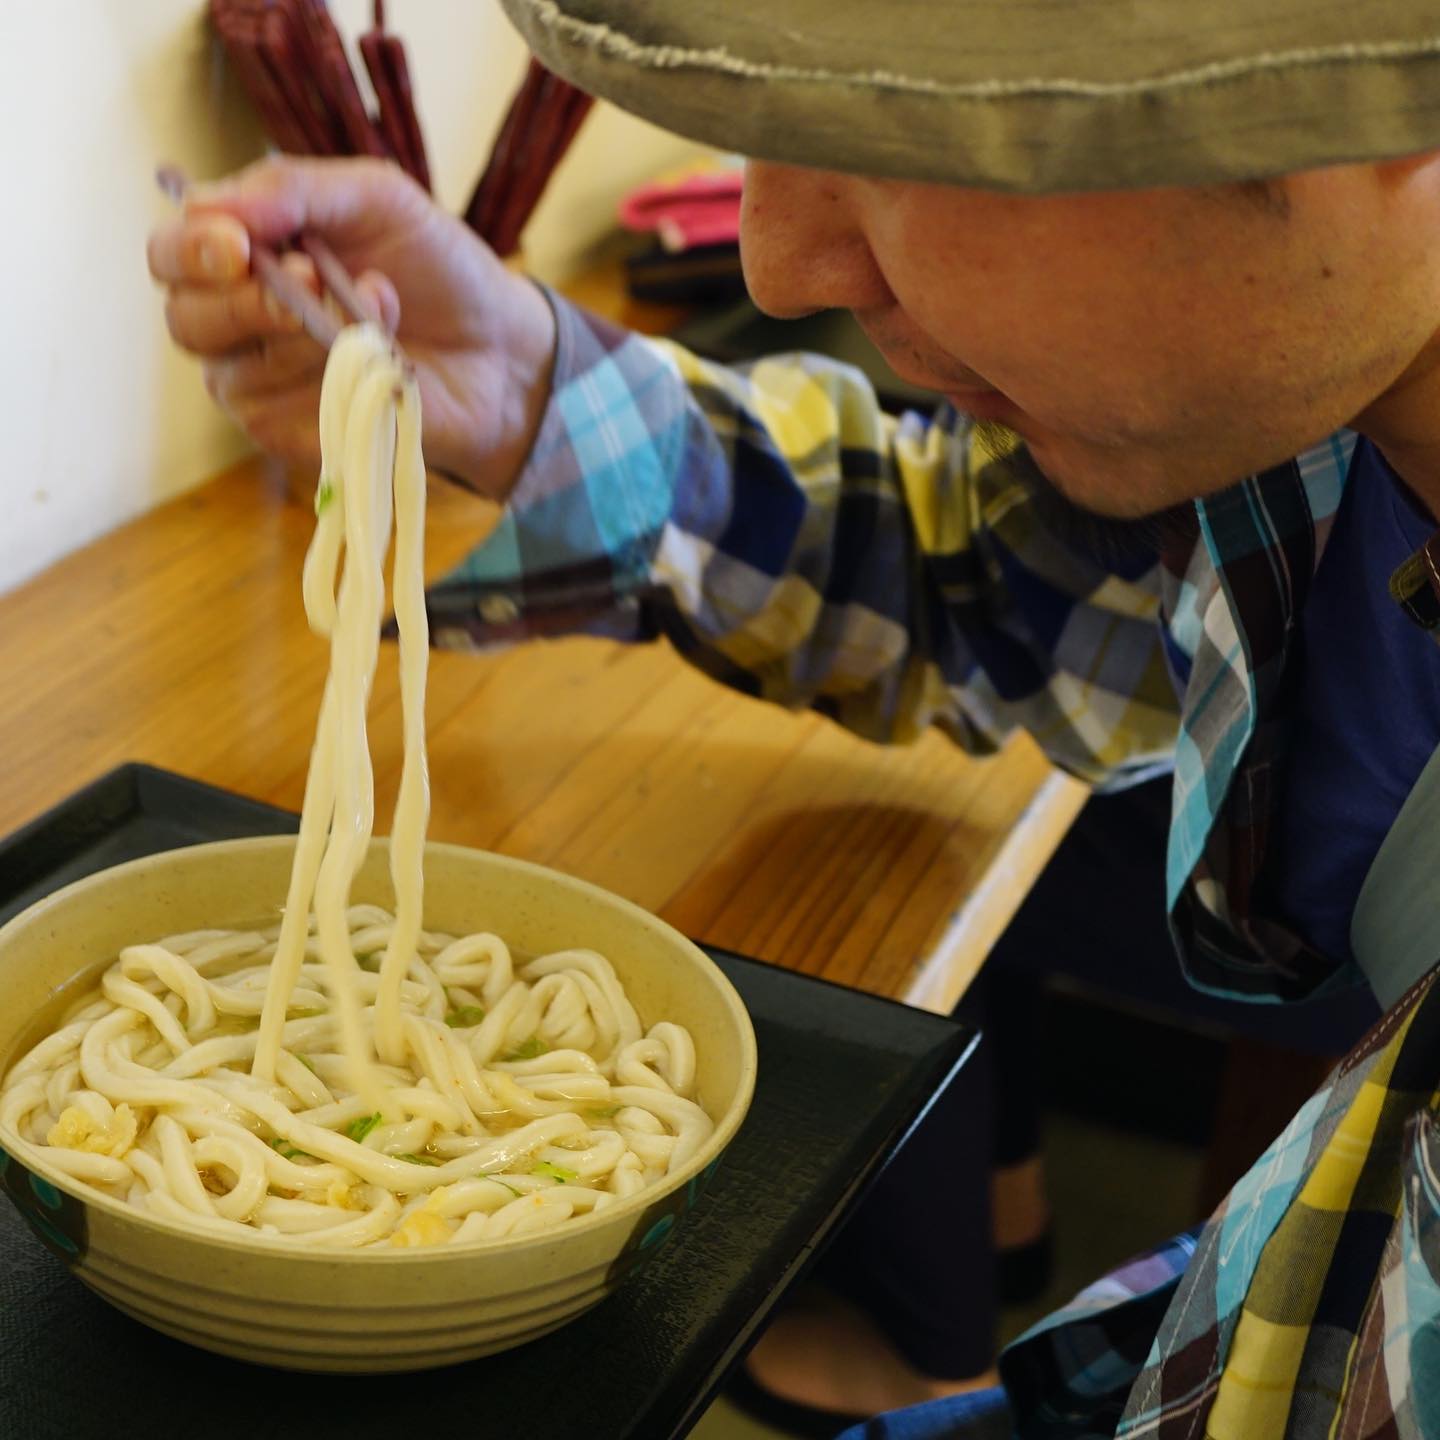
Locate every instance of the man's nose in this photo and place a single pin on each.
(803, 244)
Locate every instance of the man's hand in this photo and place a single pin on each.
(482, 339)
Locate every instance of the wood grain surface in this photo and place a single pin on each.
(180, 640)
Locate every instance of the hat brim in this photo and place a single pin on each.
(1033, 96)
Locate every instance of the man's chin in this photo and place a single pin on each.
(1106, 515)
(1104, 499)
(1110, 486)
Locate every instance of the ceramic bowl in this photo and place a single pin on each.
(270, 1300)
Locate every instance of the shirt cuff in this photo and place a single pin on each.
(572, 549)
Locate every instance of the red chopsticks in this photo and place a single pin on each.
(290, 57)
(537, 130)
(389, 72)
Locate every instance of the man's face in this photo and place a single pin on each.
(1149, 346)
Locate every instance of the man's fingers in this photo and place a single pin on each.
(277, 363)
(284, 426)
(291, 434)
(208, 250)
(340, 199)
(217, 320)
(267, 369)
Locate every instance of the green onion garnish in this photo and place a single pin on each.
(556, 1172)
(357, 1130)
(465, 1016)
(530, 1049)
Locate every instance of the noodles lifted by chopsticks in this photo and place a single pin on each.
(348, 1078)
(369, 431)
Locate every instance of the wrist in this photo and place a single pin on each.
(530, 362)
(489, 429)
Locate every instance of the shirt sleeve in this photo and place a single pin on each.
(799, 544)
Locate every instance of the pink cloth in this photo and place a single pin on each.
(699, 210)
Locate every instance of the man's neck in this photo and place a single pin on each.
(1404, 424)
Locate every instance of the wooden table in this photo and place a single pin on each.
(180, 640)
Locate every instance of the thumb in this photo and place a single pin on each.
(345, 200)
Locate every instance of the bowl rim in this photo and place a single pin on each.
(31, 1156)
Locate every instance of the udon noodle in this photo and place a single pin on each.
(347, 1078)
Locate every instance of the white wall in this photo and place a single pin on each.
(102, 418)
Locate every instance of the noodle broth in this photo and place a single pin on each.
(531, 1092)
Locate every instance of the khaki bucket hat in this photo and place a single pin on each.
(1024, 95)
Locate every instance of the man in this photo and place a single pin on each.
(1174, 261)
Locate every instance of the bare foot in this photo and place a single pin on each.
(825, 1353)
(1018, 1208)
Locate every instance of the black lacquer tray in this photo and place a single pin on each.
(842, 1079)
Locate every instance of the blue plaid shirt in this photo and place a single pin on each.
(798, 544)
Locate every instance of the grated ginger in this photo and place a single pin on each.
(75, 1130)
(422, 1227)
(341, 1193)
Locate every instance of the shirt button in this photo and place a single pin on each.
(497, 609)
